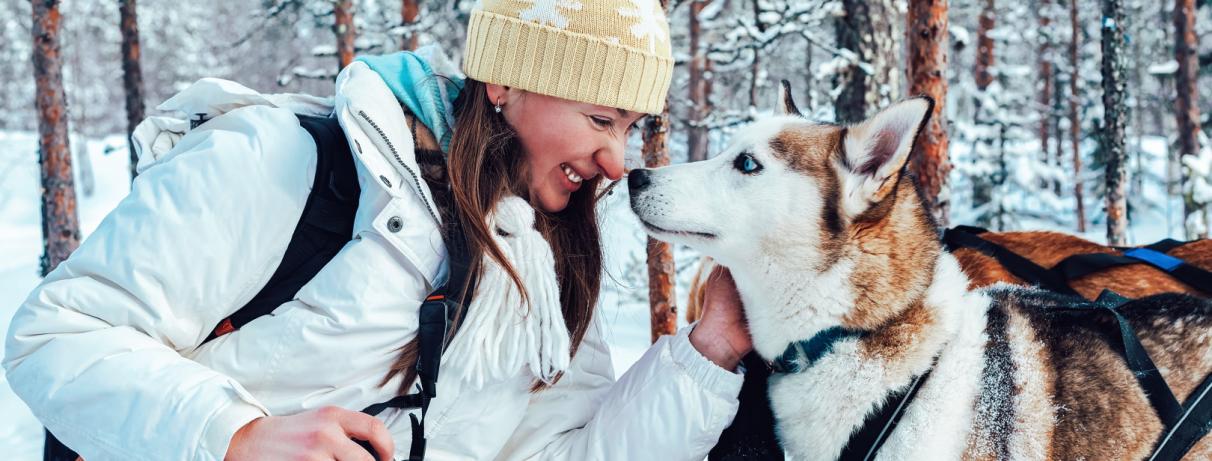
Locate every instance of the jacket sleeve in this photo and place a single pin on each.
(670, 405)
(96, 349)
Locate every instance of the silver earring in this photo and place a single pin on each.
(497, 107)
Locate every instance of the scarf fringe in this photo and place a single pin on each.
(502, 334)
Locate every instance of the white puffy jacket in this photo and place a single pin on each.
(105, 351)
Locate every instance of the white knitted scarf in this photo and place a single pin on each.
(502, 333)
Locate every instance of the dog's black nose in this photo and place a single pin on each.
(638, 179)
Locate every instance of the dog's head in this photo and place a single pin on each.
(786, 187)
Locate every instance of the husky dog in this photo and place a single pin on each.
(823, 231)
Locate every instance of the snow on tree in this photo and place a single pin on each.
(872, 31)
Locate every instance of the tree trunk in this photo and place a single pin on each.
(132, 75)
(1045, 75)
(1075, 123)
(409, 12)
(1187, 105)
(343, 27)
(60, 229)
(809, 79)
(700, 88)
(868, 28)
(927, 44)
(755, 67)
(1113, 68)
(984, 46)
(661, 271)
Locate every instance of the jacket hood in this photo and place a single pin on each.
(425, 82)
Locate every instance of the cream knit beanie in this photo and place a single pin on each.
(613, 53)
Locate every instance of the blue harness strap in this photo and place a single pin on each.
(1155, 258)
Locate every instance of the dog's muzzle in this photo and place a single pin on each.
(638, 180)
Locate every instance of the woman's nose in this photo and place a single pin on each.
(610, 160)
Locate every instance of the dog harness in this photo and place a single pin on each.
(1184, 424)
(866, 442)
(1076, 266)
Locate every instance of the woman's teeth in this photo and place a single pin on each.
(572, 175)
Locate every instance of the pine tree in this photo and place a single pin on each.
(1186, 107)
(132, 74)
(60, 229)
(1075, 122)
(1114, 115)
(409, 12)
(868, 29)
(662, 273)
(926, 36)
(343, 27)
(700, 87)
(1045, 76)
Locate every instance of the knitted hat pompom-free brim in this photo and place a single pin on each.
(614, 53)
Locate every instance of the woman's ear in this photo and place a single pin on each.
(496, 93)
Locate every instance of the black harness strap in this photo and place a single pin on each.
(1057, 278)
(1023, 268)
(866, 442)
(1192, 426)
(1146, 373)
(1081, 265)
(877, 427)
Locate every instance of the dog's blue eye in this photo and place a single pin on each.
(745, 163)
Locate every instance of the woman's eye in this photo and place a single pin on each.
(745, 163)
(602, 121)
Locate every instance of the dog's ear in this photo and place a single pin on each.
(786, 103)
(876, 150)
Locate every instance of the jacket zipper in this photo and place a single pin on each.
(415, 179)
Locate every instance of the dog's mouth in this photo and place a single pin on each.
(682, 233)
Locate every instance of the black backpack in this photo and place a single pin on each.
(325, 226)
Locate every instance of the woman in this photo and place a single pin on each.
(109, 350)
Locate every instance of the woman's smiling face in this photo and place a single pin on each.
(566, 142)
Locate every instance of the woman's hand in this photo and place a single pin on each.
(322, 433)
(721, 334)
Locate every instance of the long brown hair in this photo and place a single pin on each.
(485, 164)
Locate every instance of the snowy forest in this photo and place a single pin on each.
(1085, 116)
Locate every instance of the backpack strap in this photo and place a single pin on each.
(325, 226)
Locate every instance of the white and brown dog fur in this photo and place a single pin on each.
(830, 231)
